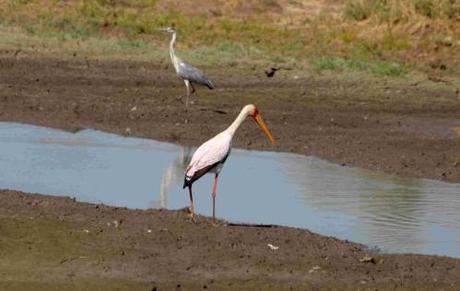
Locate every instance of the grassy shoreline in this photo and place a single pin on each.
(382, 38)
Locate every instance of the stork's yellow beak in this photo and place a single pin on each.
(264, 127)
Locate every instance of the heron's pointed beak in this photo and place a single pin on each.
(258, 119)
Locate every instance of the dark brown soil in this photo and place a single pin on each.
(400, 129)
(79, 245)
(56, 243)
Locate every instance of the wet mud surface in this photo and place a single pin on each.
(68, 244)
(403, 130)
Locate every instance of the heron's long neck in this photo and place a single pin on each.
(172, 52)
(234, 126)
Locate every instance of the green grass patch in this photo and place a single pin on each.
(38, 238)
(141, 19)
(31, 248)
(378, 68)
(388, 31)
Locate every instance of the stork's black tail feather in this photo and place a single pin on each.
(197, 175)
(187, 183)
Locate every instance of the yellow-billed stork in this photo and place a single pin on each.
(211, 156)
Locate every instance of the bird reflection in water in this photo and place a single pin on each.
(173, 175)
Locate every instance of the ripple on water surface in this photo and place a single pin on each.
(396, 215)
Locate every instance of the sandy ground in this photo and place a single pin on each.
(56, 243)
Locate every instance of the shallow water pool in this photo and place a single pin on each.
(395, 215)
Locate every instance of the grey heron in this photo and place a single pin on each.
(189, 73)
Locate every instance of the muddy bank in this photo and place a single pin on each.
(403, 129)
(58, 242)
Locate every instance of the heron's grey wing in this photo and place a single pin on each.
(193, 74)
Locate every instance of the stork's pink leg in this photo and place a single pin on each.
(192, 209)
(213, 194)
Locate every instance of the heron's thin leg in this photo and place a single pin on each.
(192, 209)
(187, 85)
(213, 194)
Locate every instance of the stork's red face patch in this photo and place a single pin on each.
(256, 112)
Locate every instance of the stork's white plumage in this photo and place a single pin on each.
(211, 155)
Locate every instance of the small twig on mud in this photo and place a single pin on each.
(71, 259)
(213, 110)
(367, 259)
(314, 269)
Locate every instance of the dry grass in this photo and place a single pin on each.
(414, 28)
(410, 32)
